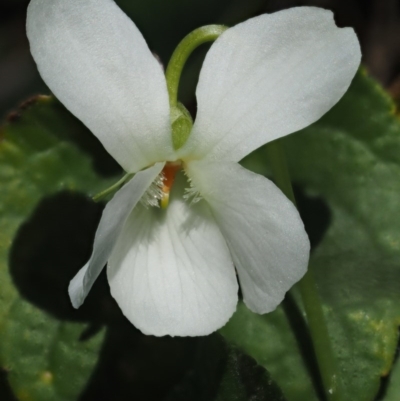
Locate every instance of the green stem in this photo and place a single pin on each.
(309, 291)
(196, 38)
(113, 188)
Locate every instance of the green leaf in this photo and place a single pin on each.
(271, 342)
(357, 263)
(224, 373)
(393, 389)
(43, 356)
(350, 159)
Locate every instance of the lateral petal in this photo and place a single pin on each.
(171, 271)
(111, 224)
(98, 65)
(268, 77)
(262, 228)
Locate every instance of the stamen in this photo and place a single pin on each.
(154, 193)
(192, 195)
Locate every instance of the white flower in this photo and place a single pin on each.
(172, 271)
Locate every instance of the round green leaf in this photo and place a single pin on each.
(350, 159)
(43, 357)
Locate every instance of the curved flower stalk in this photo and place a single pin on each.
(172, 269)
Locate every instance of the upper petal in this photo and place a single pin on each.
(171, 272)
(97, 63)
(262, 228)
(111, 224)
(268, 77)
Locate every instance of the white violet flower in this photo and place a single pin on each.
(173, 270)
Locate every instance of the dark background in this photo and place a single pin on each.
(133, 366)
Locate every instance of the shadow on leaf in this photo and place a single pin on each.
(47, 252)
(5, 390)
(315, 214)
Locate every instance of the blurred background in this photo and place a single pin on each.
(133, 366)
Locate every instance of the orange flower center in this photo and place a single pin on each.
(169, 172)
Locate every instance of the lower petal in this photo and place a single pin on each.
(262, 228)
(171, 271)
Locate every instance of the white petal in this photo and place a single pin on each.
(268, 77)
(97, 63)
(111, 224)
(261, 226)
(171, 272)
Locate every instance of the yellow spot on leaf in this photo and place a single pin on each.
(46, 377)
(23, 395)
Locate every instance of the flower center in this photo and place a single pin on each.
(169, 172)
